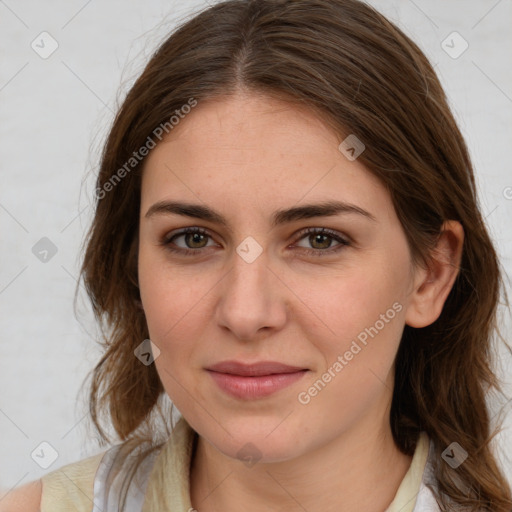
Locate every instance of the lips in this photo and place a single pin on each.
(254, 381)
(254, 369)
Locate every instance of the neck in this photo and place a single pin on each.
(361, 469)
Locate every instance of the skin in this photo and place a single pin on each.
(247, 156)
(25, 498)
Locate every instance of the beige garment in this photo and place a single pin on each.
(175, 460)
(70, 488)
(405, 497)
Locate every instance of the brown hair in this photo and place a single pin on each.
(362, 75)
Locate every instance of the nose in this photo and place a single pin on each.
(252, 300)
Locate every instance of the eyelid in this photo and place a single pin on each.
(183, 231)
(342, 239)
(314, 230)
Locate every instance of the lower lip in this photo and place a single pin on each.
(251, 388)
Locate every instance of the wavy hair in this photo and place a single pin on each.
(361, 74)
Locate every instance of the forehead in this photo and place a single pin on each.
(256, 150)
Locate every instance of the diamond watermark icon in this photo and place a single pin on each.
(147, 352)
(249, 454)
(44, 455)
(454, 45)
(249, 249)
(454, 455)
(44, 250)
(44, 45)
(352, 147)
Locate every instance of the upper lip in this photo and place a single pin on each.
(253, 369)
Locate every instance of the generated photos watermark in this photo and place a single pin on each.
(143, 151)
(305, 397)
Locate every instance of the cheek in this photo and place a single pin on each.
(164, 297)
(175, 300)
(364, 310)
(366, 314)
(358, 301)
(172, 308)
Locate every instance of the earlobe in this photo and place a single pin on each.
(432, 286)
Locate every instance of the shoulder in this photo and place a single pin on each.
(71, 487)
(26, 498)
(67, 488)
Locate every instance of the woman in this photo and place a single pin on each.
(287, 244)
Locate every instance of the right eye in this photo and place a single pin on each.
(194, 239)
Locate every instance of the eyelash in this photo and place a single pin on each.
(343, 242)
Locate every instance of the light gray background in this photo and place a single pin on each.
(54, 115)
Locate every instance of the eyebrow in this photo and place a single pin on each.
(324, 209)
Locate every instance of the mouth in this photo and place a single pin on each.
(256, 380)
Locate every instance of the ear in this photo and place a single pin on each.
(432, 285)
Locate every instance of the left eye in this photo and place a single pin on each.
(322, 238)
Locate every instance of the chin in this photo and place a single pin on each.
(263, 451)
(263, 440)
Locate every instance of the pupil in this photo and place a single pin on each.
(318, 239)
(196, 237)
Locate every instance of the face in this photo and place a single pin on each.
(255, 280)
